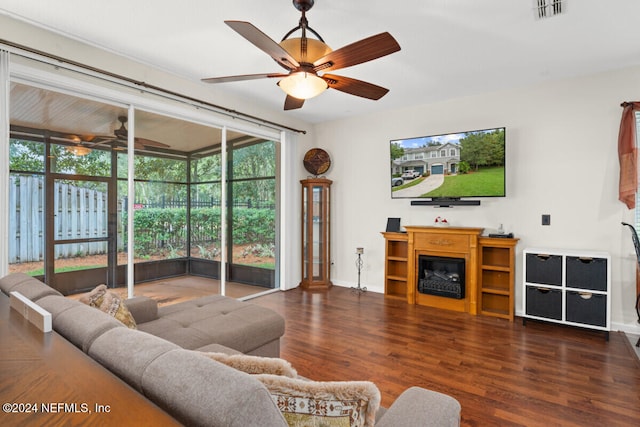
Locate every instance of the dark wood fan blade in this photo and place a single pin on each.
(291, 103)
(356, 53)
(101, 141)
(355, 87)
(242, 77)
(264, 43)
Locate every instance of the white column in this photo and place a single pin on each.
(131, 192)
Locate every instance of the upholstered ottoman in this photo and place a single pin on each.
(208, 322)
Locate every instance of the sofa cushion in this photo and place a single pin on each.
(28, 286)
(216, 319)
(194, 389)
(143, 309)
(201, 392)
(110, 303)
(56, 304)
(417, 406)
(254, 364)
(127, 353)
(78, 323)
(335, 403)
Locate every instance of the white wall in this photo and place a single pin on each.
(561, 160)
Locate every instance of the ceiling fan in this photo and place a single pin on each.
(304, 58)
(118, 140)
(121, 135)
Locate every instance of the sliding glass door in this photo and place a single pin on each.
(203, 200)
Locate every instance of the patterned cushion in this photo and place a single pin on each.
(110, 303)
(331, 404)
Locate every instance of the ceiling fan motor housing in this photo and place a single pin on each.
(303, 5)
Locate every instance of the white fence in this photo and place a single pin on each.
(79, 213)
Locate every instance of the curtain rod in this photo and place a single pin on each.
(221, 109)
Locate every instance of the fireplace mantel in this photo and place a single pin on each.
(455, 242)
(489, 268)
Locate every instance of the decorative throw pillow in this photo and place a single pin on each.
(332, 404)
(254, 364)
(110, 303)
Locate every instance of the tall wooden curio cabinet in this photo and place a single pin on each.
(316, 250)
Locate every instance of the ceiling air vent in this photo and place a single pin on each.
(548, 8)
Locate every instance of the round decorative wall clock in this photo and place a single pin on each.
(317, 161)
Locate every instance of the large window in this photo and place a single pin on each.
(206, 212)
(253, 196)
(26, 206)
(160, 207)
(70, 211)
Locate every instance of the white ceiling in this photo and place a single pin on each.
(450, 48)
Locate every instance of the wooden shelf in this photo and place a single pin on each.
(496, 291)
(395, 265)
(497, 277)
(496, 268)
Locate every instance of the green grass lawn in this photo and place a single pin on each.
(40, 271)
(484, 182)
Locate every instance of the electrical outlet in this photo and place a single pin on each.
(546, 219)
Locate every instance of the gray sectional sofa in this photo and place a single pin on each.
(158, 360)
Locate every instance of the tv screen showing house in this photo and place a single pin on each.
(453, 165)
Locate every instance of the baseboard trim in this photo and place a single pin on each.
(628, 328)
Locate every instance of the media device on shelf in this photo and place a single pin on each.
(444, 169)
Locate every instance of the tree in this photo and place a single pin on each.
(253, 172)
(26, 156)
(483, 148)
(396, 151)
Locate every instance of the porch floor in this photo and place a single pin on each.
(183, 288)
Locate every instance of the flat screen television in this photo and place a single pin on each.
(449, 166)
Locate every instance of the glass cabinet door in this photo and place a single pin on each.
(315, 233)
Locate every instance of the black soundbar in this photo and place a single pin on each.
(445, 203)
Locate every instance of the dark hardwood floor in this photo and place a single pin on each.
(502, 373)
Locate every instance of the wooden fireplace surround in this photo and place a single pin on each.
(489, 268)
(452, 242)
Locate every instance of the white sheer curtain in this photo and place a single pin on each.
(290, 234)
(4, 161)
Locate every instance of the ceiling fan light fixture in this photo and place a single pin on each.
(315, 49)
(78, 150)
(303, 85)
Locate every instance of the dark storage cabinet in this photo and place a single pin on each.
(544, 302)
(568, 286)
(587, 273)
(544, 269)
(587, 307)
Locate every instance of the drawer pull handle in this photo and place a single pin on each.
(585, 295)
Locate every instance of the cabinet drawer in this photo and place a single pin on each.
(587, 273)
(544, 302)
(587, 308)
(544, 269)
